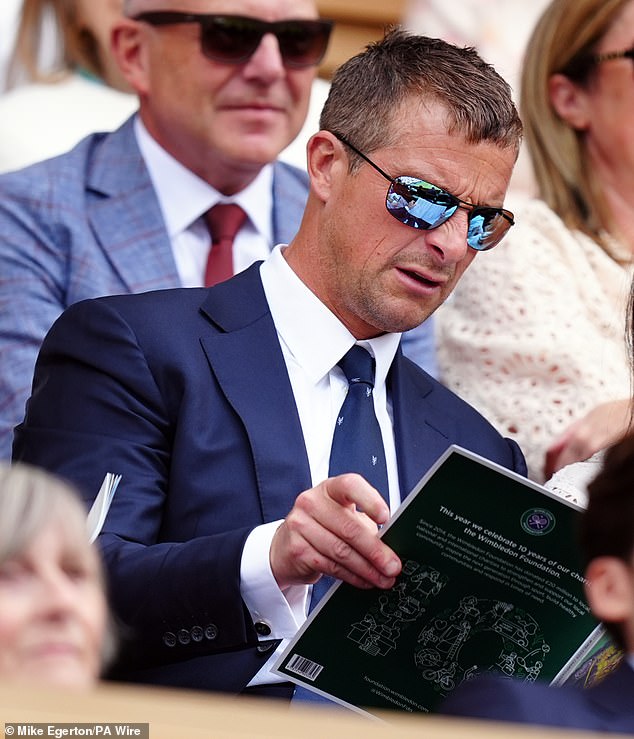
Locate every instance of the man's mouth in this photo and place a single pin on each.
(422, 279)
(255, 105)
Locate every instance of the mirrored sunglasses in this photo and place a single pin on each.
(233, 39)
(419, 204)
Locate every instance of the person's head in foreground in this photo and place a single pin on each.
(54, 626)
(408, 178)
(607, 538)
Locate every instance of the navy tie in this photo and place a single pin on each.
(357, 446)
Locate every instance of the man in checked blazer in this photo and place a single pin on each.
(123, 212)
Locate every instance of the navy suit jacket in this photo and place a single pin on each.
(186, 394)
(608, 706)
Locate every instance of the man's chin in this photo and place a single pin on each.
(258, 149)
(399, 323)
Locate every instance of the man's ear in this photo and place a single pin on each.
(570, 101)
(610, 589)
(130, 52)
(324, 157)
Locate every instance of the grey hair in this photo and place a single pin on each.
(31, 498)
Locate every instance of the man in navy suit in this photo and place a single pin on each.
(607, 541)
(218, 405)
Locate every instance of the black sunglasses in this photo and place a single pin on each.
(419, 204)
(232, 39)
(606, 56)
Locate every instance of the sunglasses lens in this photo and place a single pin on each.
(230, 38)
(487, 226)
(419, 204)
(234, 39)
(303, 43)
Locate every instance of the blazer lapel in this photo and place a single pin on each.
(247, 361)
(419, 442)
(125, 215)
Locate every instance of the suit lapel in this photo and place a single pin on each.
(245, 357)
(248, 364)
(126, 219)
(125, 215)
(418, 442)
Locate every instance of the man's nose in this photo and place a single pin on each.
(450, 239)
(266, 61)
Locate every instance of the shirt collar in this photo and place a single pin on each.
(294, 308)
(184, 197)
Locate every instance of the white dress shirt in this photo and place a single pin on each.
(319, 387)
(184, 198)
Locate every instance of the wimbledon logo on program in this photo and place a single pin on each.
(537, 521)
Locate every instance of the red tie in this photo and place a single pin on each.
(223, 221)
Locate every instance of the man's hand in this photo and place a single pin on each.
(333, 529)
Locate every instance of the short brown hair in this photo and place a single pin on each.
(607, 525)
(367, 90)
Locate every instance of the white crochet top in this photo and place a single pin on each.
(571, 482)
(534, 335)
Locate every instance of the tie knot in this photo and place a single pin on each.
(358, 365)
(224, 221)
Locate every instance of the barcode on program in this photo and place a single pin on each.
(304, 667)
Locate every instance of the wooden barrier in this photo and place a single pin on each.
(180, 714)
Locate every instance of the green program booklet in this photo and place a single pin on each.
(492, 580)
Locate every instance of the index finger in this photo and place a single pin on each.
(352, 489)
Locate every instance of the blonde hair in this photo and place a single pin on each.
(563, 41)
(76, 46)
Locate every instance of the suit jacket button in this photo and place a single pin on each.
(183, 636)
(197, 633)
(265, 647)
(262, 629)
(169, 639)
(211, 632)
